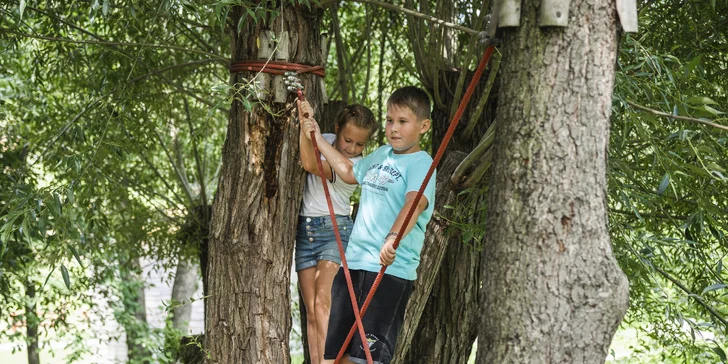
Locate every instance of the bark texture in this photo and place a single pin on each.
(255, 208)
(553, 292)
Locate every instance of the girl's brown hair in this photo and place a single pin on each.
(359, 116)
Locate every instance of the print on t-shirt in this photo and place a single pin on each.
(379, 177)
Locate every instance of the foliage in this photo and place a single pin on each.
(106, 104)
(113, 113)
(667, 179)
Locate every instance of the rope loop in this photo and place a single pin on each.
(275, 67)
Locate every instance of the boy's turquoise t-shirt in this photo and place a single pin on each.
(385, 179)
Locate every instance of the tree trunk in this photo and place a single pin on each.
(185, 285)
(256, 205)
(553, 292)
(31, 318)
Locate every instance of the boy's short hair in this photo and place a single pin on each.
(414, 98)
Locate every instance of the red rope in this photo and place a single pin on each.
(274, 67)
(418, 197)
(347, 275)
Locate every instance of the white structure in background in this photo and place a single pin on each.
(111, 346)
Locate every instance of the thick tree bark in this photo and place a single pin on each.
(255, 208)
(553, 292)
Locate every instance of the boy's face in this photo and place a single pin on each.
(403, 130)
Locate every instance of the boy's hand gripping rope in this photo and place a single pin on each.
(418, 197)
(296, 85)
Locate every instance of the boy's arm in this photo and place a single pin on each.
(343, 167)
(387, 254)
(305, 147)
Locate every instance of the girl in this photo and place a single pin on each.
(317, 252)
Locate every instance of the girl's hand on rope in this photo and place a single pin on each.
(311, 125)
(387, 254)
(305, 111)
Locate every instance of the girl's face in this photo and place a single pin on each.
(350, 140)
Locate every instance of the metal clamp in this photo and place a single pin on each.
(292, 82)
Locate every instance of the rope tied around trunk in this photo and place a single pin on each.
(275, 67)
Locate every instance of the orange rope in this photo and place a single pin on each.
(274, 67)
(418, 197)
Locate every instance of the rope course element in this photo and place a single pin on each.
(275, 67)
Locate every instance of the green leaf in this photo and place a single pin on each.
(692, 64)
(66, 279)
(663, 184)
(717, 349)
(57, 203)
(53, 269)
(709, 110)
(8, 229)
(248, 106)
(714, 287)
(69, 193)
(700, 100)
(106, 7)
(22, 8)
(252, 15)
(24, 227)
(75, 254)
(42, 226)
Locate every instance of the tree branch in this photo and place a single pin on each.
(198, 162)
(165, 69)
(692, 295)
(400, 9)
(676, 117)
(340, 55)
(123, 44)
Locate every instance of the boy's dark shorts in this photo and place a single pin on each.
(382, 321)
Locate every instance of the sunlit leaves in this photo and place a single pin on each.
(668, 208)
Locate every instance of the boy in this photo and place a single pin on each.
(390, 178)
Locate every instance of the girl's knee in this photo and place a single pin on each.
(323, 304)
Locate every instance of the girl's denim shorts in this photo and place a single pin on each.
(315, 240)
